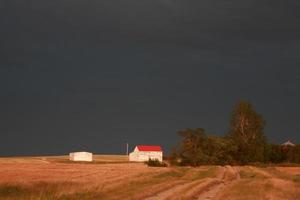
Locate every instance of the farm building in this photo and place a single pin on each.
(143, 153)
(288, 143)
(81, 156)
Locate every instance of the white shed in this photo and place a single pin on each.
(81, 156)
(143, 153)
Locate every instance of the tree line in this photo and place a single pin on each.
(244, 143)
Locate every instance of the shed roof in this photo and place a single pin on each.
(148, 148)
(288, 143)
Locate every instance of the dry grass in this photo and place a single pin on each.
(50, 178)
(53, 178)
(262, 183)
(170, 178)
(289, 170)
(247, 189)
(97, 159)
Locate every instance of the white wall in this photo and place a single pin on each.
(141, 156)
(81, 156)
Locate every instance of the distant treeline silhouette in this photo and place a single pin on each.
(244, 143)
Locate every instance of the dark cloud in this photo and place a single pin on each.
(91, 75)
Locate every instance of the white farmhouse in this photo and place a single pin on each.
(143, 153)
(81, 156)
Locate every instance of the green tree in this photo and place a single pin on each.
(191, 146)
(293, 154)
(218, 150)
(274, 154)
(246, 133)
(197, 148)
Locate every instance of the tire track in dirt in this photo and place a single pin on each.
(169, 192)
(189, 189)
(230, 175)
(261, 172)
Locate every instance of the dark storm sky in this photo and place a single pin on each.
(93, 74)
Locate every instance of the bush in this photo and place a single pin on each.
(155, 163)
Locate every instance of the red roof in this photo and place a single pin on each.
(148, 148)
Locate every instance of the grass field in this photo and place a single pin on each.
(64, 159)
(112, 177)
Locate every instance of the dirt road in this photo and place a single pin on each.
(201, 189)
(230, 175)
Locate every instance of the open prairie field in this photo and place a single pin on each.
(64, 159)
(113, 177)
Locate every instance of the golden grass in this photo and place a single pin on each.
(149, 184)
(260, 184)
(247, 190)
(97, 159)
(251, 173)
(139, 185)
(44, 191)
(211, 172)
(289, 170)
(54, 178)
(21, 177)
(90, 179)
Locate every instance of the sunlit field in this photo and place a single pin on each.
(113, 177)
